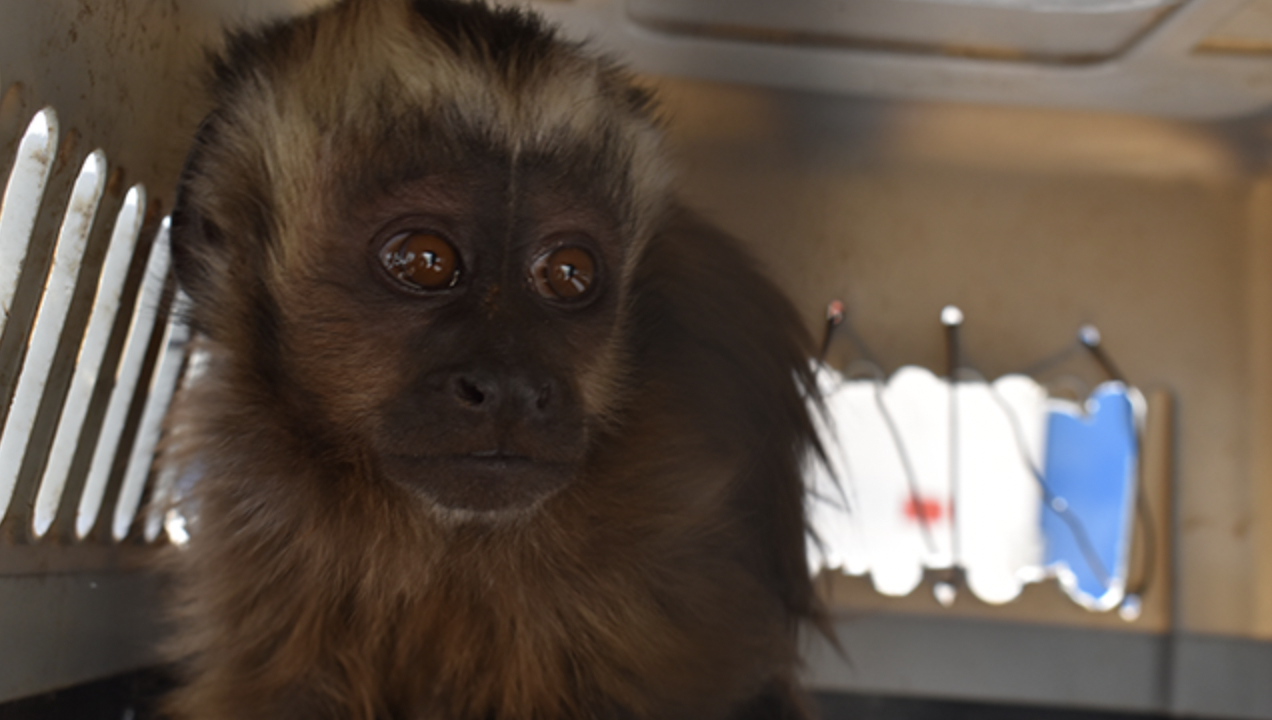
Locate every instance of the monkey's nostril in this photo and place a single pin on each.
(544, 398)
(469, 392)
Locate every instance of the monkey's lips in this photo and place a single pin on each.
(482, 481)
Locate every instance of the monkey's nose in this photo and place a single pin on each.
(469, 391)
(493, 392)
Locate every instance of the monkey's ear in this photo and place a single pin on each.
(198, 245)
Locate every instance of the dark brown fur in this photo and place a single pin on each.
(663, 576)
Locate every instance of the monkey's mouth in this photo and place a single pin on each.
(481, 481)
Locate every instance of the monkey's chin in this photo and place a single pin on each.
(479, 486)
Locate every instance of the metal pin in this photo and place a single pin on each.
(952, 319)
(1089, 337)
(1131, 608)
(945, 592)
(834, 318)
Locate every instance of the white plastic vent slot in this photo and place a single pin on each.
(18, 209)
(105, 306)
(163, 383)
(51, 317)
(143, 323)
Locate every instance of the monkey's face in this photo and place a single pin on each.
(417, 249)
(462, 325)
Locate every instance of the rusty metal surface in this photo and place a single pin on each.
(59, 630)
(125, 75)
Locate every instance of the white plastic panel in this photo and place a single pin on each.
(1160, 72)
(88, 364)
(143, 324)
(999, 496)
(164, 516)
(51, 317)
(21, 202)
(1046, 31)
(163, 383)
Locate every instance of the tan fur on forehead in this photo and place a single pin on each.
(362, 60)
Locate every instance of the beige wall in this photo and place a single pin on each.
(1034, 222)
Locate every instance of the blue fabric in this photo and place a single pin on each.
(1090, 468)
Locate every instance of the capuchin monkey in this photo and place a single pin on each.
(491, 427)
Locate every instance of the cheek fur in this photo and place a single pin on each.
(602, 381)
(346, 363)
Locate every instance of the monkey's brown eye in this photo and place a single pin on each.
(566, 273)
(421, 260)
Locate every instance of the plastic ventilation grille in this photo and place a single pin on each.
(89, 353)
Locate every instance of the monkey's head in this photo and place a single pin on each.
(412, 241)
